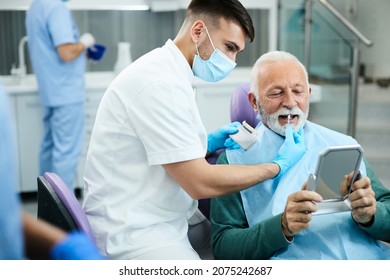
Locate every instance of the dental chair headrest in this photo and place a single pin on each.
(240, 108)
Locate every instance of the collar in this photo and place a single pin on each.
(180, 60)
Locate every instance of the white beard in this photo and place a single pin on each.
(272, 121)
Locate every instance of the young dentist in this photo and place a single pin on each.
(146, 165)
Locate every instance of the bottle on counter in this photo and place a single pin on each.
(123, 57)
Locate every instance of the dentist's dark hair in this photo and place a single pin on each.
(214, 10)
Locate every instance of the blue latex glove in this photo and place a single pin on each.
(231, 144)
(96, 52)
(291, 151)
(76, 246)
(217, 139)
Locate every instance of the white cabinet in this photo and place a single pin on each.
(29, 131)
(92, 101)
(213, 99)
(29, 128)
(12, 102)
(214, 104)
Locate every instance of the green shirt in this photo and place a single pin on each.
(232, 238)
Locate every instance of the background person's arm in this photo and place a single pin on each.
(69, 52)
(40, 237)
(44, 241)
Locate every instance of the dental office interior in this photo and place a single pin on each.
(344, 44)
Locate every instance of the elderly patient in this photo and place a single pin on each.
(273, 219)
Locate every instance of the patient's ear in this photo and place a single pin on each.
(253, 101)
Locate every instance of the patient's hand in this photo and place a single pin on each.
(297, 213)
(362, 198)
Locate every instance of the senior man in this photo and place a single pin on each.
(274, 219)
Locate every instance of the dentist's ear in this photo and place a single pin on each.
(196, 30)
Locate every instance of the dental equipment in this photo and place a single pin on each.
(246, 136)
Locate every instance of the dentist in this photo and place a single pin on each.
(58, 59)
(146, 165)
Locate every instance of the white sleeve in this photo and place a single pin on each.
(164, 116)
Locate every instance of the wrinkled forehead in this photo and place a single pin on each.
(283, 73)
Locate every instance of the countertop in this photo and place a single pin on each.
(98, 80)
(94, 80)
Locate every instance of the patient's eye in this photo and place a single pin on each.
(275, 93)
(298, 91)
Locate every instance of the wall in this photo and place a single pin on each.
(374, 20)
(370, 17)
(145, 30)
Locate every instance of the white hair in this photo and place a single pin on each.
(273, 56)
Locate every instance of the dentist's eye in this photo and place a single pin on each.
(230, 48)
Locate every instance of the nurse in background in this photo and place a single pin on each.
(58, 59)
(21, 235)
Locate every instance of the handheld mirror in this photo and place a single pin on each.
(333, 164)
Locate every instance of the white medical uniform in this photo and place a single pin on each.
(147, 117)
(49, 24)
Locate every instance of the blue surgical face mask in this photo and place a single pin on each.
(217, 67)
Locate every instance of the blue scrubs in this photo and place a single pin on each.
(49, 24)
(11, 238)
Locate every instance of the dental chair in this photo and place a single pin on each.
(59, 206)
(240, 110)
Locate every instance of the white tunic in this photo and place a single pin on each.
(147, 117)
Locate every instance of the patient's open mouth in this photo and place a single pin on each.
(285, 117)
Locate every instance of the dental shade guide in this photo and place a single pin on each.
(246, 136)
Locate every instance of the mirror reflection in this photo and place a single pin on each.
(332, 167)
